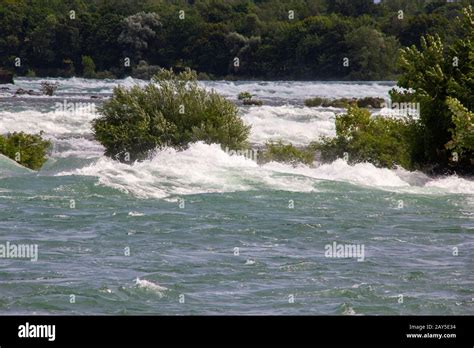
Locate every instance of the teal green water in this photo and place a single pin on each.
(190, 251)
(181, 216)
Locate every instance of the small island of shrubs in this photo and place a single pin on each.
(172, 110)
(247, 99)
(367, 102)
(29, 150)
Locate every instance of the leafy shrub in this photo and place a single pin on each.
(49, 88)
(437, 72)
(88, 67)
(463, 132)
(380, 141)
(172, 110)
(247, 99)
(312, 102)
(30, 73)
(244, 96)
(287, 153)
(397, 96)
(27, 149)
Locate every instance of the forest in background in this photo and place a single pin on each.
(272, 39)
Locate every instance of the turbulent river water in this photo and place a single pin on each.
(205, 232)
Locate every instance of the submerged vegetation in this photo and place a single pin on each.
(29, 150)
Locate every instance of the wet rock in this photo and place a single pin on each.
(21, 91)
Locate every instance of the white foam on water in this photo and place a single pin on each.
(453, 184)
(201, 168)
(293, 90)
(66, 130)
(361, 173)
(349, 311)
(206, 168)
(150, 286)
(298, 125)
(52, 123)
(76, 147)
(77, 84)
(300, 90)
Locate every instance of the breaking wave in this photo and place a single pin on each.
(298, 125)
(206, 168)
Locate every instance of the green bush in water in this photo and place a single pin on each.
(244, 96)
(286, 153)
(384, 142)
(437, 73)
(27, 149)
(462, 133)
(172, 110)
(88, 67)
(312, 102)
(397, 96)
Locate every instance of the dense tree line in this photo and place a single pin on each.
(288, 39)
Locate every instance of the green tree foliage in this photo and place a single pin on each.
(372, 53)
(170, 111)
(27, 149)
(309, 43)
(382, 141)
(463, 131)
(435, 73)
(88, 67)
(244, 96)
(138, 32)
(145, 71)
(280, 152)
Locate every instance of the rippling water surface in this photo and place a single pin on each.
(203, 232)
